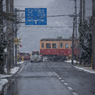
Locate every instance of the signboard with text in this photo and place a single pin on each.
(35, 16)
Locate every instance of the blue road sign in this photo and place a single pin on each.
(35, 16)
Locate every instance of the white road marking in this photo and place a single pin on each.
(21, 69)
(62, 80)
(65, 83)
(55, 74)
(74, 93)
(70, 88)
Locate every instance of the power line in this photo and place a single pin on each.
(50, 26)
(71, 15)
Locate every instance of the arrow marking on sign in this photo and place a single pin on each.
(35, 21)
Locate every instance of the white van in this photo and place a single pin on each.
(35, 56)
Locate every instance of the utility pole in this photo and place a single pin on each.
(83, 11)
(81, 1)
(81, 14)
(93, 34)
(12, 34)
(7, 31)
(75, 19)
(15, 30)
(1, 38)
(74, 30)
(9, 37)
(73, 40)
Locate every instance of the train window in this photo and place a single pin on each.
(66, 45)
(54, 45)
(48, 45)
(61, 44)
(42, 45)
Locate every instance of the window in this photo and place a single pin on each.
(24, 54)
(66, 45)
(35, 52)
(42, 45)
(48, 45)
(54, 45)
(61, 44)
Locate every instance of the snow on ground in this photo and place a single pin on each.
(69, 61)
(3, 77)
(87, 69)
(14, 70)
(45, 59)
(20, 62)
(2, 82)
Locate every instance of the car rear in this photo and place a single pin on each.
(35, 56)
(26, 56)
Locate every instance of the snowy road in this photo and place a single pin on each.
(37, 78)
(52, 78)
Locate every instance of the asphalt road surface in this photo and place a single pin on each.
(51, 78)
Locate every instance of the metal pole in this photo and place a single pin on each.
(73, 40)
(15, 36)
(83, 11)
(1, 38)
(12, 34)
(75, 19)
(81, 1)
(8, 37)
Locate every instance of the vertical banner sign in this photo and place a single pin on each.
(35, 16)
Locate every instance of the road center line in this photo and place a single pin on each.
(70, 88)
(65, 83)
(62, 80)
(74, 93)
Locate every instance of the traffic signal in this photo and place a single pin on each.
(20, 45)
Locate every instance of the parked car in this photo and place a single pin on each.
(25, 55)
(35, 56)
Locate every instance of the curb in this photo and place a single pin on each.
(86, 70)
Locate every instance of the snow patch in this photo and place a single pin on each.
(2, 83)
(89, 70)
(69, 61)
(12, 71)
(20, 62)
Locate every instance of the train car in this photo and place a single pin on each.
(57, 48)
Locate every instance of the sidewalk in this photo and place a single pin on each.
(86, 69)
(3, 77)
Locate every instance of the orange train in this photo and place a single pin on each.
(58, 47)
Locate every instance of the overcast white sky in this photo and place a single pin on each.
(56, 26)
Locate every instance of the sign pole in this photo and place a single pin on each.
(16, 37)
